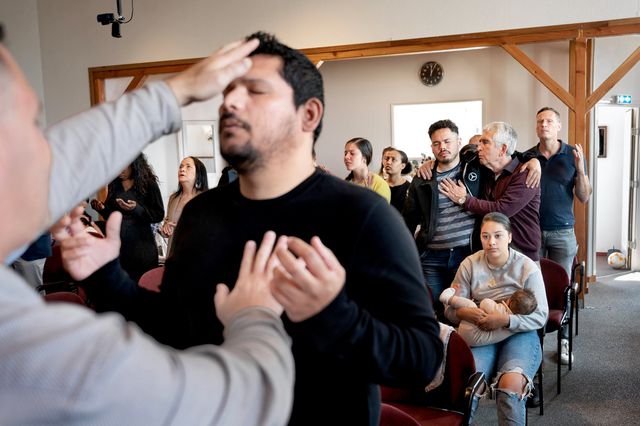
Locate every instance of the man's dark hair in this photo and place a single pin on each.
(443, 124)
(553, 110)
(297, 70)
(1, 33)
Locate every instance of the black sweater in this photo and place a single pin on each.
(379, 329)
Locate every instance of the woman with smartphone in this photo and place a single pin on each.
(136, 195)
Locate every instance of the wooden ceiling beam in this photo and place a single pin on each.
(613, 79)
(541, 75)
(471, 40)
(138, 81)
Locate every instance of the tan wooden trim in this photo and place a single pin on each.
(575, 98)
(407, 46)
(588, 147)
(96, 88)
(138, 81)
(613, 79)
(540, 74)
(470, 40)
(148, 67)
(614, 27)
(579, 57)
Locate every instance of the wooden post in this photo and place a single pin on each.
(578, 128)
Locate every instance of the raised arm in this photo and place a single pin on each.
(582, 187)
(91, 148)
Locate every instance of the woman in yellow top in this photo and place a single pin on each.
(357, 156)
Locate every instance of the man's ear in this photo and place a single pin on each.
(503, 149)
(311, 111)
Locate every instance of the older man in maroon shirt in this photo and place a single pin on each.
(505, 190)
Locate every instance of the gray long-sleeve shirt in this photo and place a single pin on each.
(479, 281)
(63, 364)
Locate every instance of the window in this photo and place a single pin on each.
(410, 124)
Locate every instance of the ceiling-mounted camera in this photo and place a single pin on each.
(115, 20)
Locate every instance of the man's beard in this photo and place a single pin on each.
(245, 157)
(242, 159)
(446, 160)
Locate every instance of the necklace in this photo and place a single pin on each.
(366, 182)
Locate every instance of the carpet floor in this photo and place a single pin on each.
(603, 388)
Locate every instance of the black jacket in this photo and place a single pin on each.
(421, 205)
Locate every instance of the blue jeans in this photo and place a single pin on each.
(520, 353)
(560, 246)
(439, 268)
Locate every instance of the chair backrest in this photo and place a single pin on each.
(64, 296)
(556, 282)
(459, 367)
(152, 279)
(390, 415)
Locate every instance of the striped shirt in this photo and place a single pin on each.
(455, 225)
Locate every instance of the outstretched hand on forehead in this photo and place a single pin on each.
(213, 74)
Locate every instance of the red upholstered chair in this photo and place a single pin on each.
(451, 403)
(152, 279)
(559, 297)
(65, 297)
(390, 415)
(55, 279)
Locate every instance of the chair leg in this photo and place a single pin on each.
(559, 369)
(570, 344)
(576, 313)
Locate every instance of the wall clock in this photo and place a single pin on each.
(431, 73)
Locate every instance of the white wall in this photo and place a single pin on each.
(165, 155)
(360, 93)
(611, 174)
(610, 52)
(73, 41)
(612, 183)
(22, 37)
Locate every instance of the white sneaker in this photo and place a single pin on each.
(564, 352)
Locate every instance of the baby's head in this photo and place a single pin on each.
(522, 302)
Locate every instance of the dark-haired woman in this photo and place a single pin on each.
(136, 195)
(357, 156)
(192, 180)
(396, 164)
(496, 272)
